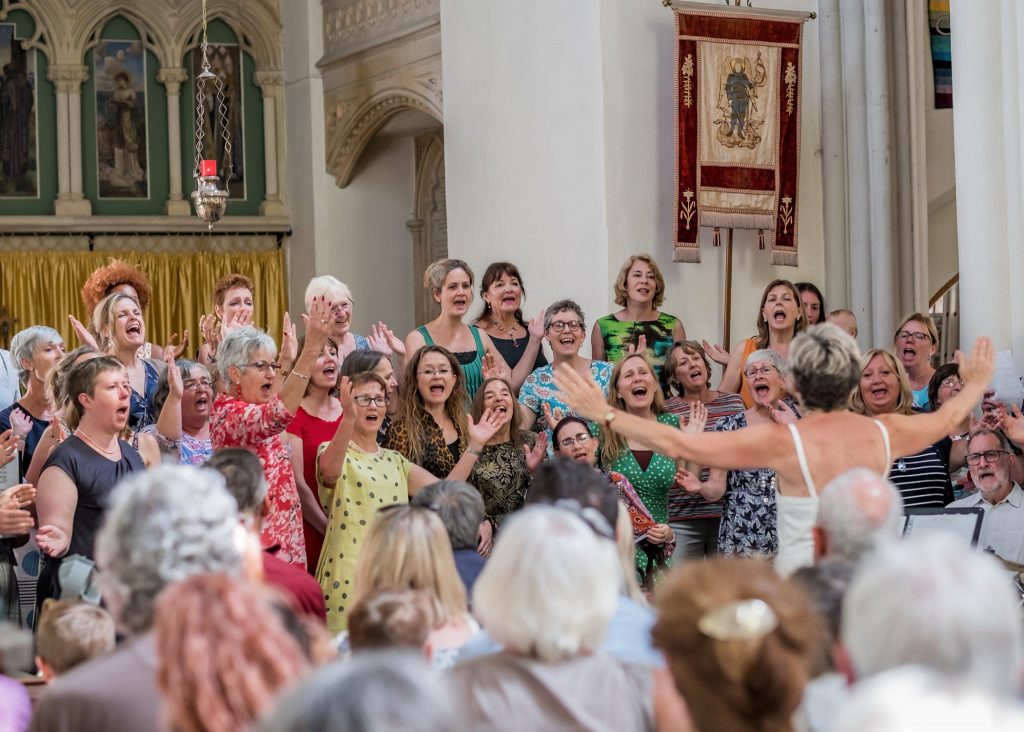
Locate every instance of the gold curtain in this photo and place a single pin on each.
(43, 288)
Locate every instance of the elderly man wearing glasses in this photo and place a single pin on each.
(990, 461)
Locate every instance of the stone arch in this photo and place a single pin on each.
(39, 16)
(350, 133)
(151, 26)
(257, 25)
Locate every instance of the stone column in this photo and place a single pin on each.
(172, 79)
(987, 116)
(68, 79)
(272, 85)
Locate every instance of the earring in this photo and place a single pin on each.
(238, 390)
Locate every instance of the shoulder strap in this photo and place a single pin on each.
(476, 338)
(805, 470)
(888, 446)
(426, 335)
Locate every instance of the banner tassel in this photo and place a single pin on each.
(716, 240)
(760, 238)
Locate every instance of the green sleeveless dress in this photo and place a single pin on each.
(471, 362)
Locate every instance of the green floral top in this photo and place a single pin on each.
(618, 335)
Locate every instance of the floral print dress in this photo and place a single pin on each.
(258, 427)
(749, 520)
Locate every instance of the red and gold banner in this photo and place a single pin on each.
(738, 97)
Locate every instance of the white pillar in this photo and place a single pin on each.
(68, 80)
(987, 118)
(172, 79)
(272, 84)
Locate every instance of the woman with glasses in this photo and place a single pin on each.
(946, 383)
(923, 477)
(183, 400)
(376, 362)
(450, 283)
(356, 477)
(749, 525)
(688, 376)
(915, 343)
(255, 409)
(565, 328)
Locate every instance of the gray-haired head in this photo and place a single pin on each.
(767, 355)
(564, 306)
(163, 388)
(238, 347)
(360, 696)
(931, 602)
(243, 476)
(163, 525)
(460, 507)
(825, 362)
(857, 511)
(26, 343)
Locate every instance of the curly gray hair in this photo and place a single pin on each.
(26, 342)
(238, 346)
(163, 525)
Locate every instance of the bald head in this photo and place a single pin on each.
(858, 510)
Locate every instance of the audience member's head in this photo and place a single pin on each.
(739, 640)
(561, 607)
(389, 619)
(824, 362)
(460, 507)
(932, 602)
(163, 525)
(223, 653)
(910, 699)
(857, 511)
(564, 479)
(70, 632)
(825, 584)
(991, 464)
(845, 319)
(374, 692)
(244, 478)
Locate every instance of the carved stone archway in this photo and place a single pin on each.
(429, 225)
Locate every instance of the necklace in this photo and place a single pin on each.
(95, 444)
(511, 333)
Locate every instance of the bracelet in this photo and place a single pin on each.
(471, 451)
(296, 373)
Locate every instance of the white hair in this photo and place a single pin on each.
(931, 602)
(164, 525)
(238, 347)
(551, 586)
(913, 698)
(767, 354)
(327, 286)
(858, 510)
(26, 342)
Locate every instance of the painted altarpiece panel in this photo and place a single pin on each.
(119, 69)
(18, 134)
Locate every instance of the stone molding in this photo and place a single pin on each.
(352, 26)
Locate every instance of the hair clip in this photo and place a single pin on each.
(740, 620)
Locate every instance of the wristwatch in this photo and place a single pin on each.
(609, 417)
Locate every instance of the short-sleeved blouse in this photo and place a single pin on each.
(539, 388)
(502, 476)
(749, 524)
(368, 482)
(618, 335)
(258, 427)
(437, 458)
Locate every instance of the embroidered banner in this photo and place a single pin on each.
(738, 119)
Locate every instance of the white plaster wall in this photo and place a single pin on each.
(524, 144)
(357, 234)
(559, 130)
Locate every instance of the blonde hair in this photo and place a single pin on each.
(613, 443)
(327, 286)
(905, 400)
(407, 548)
(103, 319)
(928, 323)
(437, 273)
(620, 281)
(71, 632)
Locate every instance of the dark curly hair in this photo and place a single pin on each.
(103, 281)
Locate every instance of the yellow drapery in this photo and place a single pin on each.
(43, 288)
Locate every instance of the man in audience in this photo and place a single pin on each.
(990, 460)
(246, 482)
(71, 632)
(461, 509)
(628, 637)
(857, 511)
(931, 603)
(845, 319)
(163, 525)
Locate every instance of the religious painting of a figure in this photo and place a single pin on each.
(740, 104)
(225, 62)
(18, 154)
(120, 77)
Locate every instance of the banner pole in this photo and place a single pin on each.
(727, 306)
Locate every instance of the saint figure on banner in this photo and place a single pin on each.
(740, 122)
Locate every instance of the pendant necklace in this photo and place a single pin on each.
(510, 333)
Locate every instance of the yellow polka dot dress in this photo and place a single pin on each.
(368, 482)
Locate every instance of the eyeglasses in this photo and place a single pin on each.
(558, 326)
(766, 370)
(951, 382)
(991, 456)
(906, 335)
(193, 384)
(364, 400)
(431, 373)
(581, 439)
(264, 366)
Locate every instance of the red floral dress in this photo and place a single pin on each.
(258, 427)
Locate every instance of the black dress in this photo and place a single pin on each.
(512, 351)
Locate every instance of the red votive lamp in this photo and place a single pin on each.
(208, 168)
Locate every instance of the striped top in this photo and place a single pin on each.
(923, 479)
(683, 506)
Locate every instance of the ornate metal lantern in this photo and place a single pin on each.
(209, 198)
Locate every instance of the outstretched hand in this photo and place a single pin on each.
(318, 322)
(85, 338)
(640, 347)
(175, 385)
(53, 540)
(583, 395)
(978, 368)
(289, 343)
(782, 413)
(481, 432)
(698, 418)
(716, 353)
(689, 482)
(552, 417)
(535, 455)
(8, 446)
(536, 326)
(345, 396)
